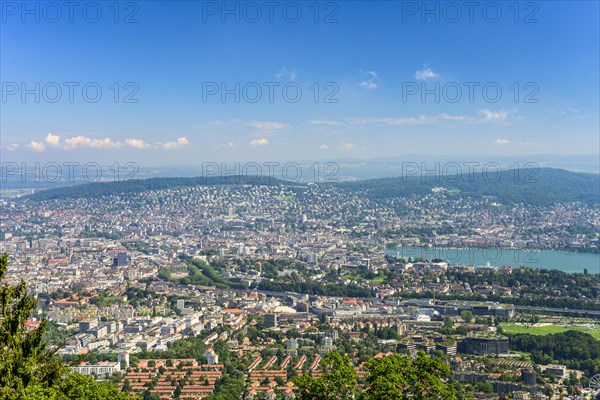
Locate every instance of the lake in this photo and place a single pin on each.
(563, 261)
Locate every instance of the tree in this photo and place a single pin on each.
(126, 386)
(76, 386)
(29, 369)
(467, 316)
(24, 358)
(399, 377)
(392, 377)
(177, 392)
(338, 381)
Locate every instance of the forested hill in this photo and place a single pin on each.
(537, 187)
(97, 189)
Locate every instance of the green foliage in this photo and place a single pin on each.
(467, 316)
(192, 347)
(232, 383)
(76, 386)
(29, 369)
(97, 189)
(392, 377)
(24, 358)
(577, 350)
(514, 186)
(338, 381)
(401, 377)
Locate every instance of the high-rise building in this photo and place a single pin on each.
(123, 357)
(120, 259)
(271, 320)
(481, 346)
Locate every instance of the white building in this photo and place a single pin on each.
(103, 368)
(211, 356)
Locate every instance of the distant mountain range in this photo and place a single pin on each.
(15, 175)
(97, 189)
(528, 186)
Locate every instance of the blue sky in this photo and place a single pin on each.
(365, 61)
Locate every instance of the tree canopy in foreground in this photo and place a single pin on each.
(391, 377)
(29, 368)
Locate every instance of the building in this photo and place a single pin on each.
(481, 346)
(449, 349)
(124, 358)
(271, 320)
(87, 324)
(211, 357)
(407, 348)
(558, 371)
(103, 368)
(120, 259)
(528, 376)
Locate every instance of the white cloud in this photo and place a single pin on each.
(346, 146)
(426, 73)
(13, 146)
(216, 123)
(168, 145)
(267, 125)
(569, 111)
(458, 118)
(419, 120)
(259, 142)
(482, 117)
(323, 147)
(494, 116)
(84, 141)
(290, 74)
(38, 147)
(266, 128)
(502, 141)
(53, 140)
(136, 143)
(393, 121)
(326, 122)
(229, 145)
(180, 142)
(369, 83)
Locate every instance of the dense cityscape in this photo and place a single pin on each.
(162, 290)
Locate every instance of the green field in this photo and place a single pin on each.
(512, 328)
(379, 280)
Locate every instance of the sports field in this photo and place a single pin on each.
(513, 328)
